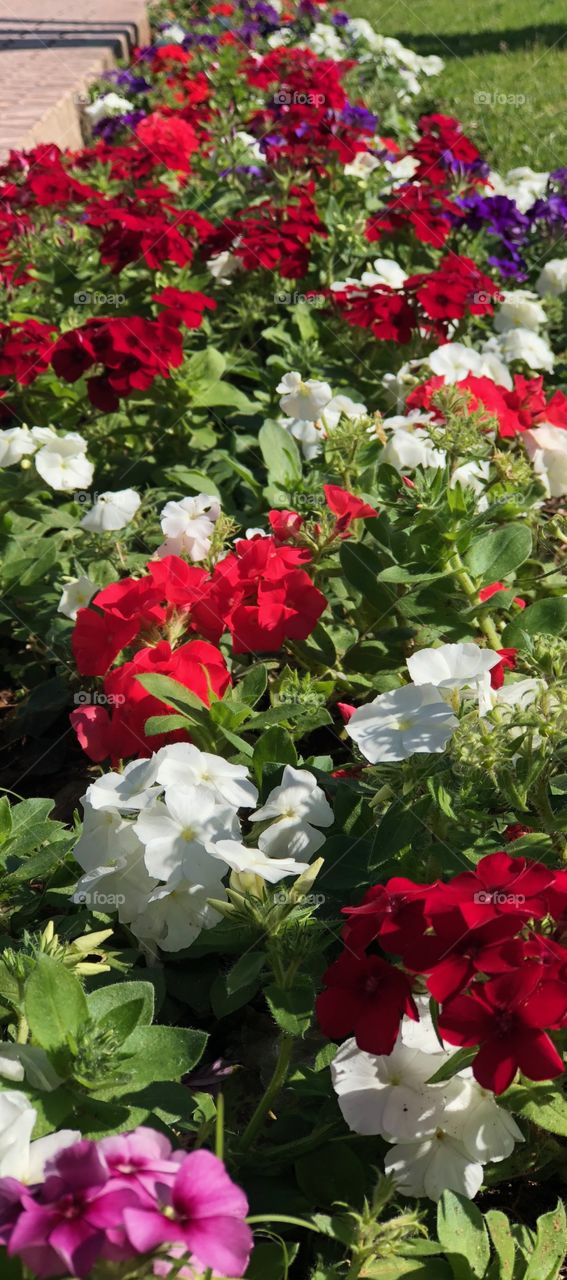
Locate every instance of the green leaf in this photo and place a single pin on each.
(225, 1002)
(361, 567)
(224, 394)
(546, 617)
(499, 552)
(544, 1104)
(253, 684)
(197, 481)
(503, 1245)
(551, 1246)
(292, 1008)
(162, 1053)
(275, 746)
(110, 999)
(462, 1232)
(55, 1003)
(171, 692)
(399, 1268)
(5, 819)
(331, 1173)
(123, 1020)
(456, 1062)
(280, 453)
(245, 971)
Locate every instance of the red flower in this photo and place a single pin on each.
(346, 506)
(169, 141)
(285, 525)
(486, 593)
(507, 663)
(507, 1017)
(392, 914)
(365, 996)
(186, 307)
(500, 885)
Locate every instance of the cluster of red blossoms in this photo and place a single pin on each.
(517, 410)
(429, 301)
(487, 946)
(267, 235)
(422, 205)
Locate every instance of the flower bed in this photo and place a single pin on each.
(283, 607)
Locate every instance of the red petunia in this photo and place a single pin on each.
(367, 997)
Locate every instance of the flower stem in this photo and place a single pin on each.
(219, 1131)
(465, 582)
(272, 1089)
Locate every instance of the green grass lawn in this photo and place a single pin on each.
(505, 74)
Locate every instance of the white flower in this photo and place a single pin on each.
(134, 788)
(521, 309)
(436, 1164)
(177, 912)
(182, 832)
(189, 526)
(524, 344)
(112, 510)
(240, 858)
(473, 475)
(403, 170)
(409, 445)
(388, 1094)
(303, 400)
(452, 666)
(76, 595)
(552, 281)
(250, 146)
(310, 435)
(523, 185)
(343, 406)
(298, 806)
(62, 460)
(182, 764)
(10, 1068)
(519, 693)
(385, 271)
(224, 266)
(122, 885)
(455, 361)
(105, 837)
(173, 33)
(110, 104)
(362, 166)
(44, 1149)
(487, 1131)
(547, 447)
(399, 724)
(325, 41)
(15, 442)
(422, 1034)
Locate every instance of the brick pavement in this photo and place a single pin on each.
(49, 53)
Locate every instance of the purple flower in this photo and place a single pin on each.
(340, 19)
(109, 128)
(359, 118)
(73, 1218)
(208, 1217)
(128, 79)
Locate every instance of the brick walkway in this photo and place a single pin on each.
(49, 53)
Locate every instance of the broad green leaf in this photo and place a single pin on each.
(544, 1104)
(551, 1246)
(55, 1003)
(275, 746)
(245, 971)
(361, 567)
(546, 617)
(503, 1245)
(463, 1234)
(280, 453)
(162, 1053)
(109, 999)
(499, 552)
(293, 1007)
(5, 819)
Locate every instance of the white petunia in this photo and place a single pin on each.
(409, 446)
(342, 406)
(107, 106)
(325, 41)
(433, 1165)
(388, 1094)
(403, 170)
(172, 33)
(181, 764)
(413, 719)
(547, 448)
(522, 185)
(473, 475)
(525, 345)
(552, 280)
(181, 832)
(112, 510)
(385, 271)
(301, 399)
(487, 1131)
(298, 806)
(310, 435)
(188, 526)
(520, 309)
(62, 460)
(20, 1158)
(15, 443)
(452, 666)
(224, 266)
(122, 885)
(362, 166)
(76, 595)
(105, 837)
(177, 911)
(134, 788)
(455, 361)
(241, 858)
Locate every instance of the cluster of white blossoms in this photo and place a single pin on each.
(420, 717)
(60, 460)
(158, 839)
(391, 53)
(111, 511)
(313, 411)
(442, 1134)
(106, 107)
(188, 526)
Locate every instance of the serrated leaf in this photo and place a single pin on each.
(55, 1003)
(292, 1008)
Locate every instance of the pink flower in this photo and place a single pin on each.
(208, 1217)
(140, 1160)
